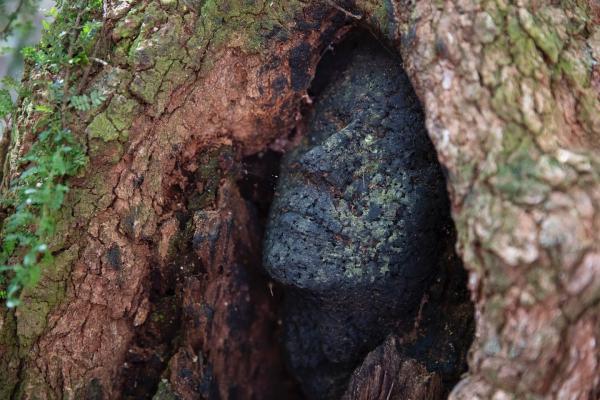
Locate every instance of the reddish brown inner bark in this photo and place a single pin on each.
(212, 326)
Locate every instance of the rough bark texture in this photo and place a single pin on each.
(511, 98)
(510, 94)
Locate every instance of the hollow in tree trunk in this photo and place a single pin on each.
(157, 291)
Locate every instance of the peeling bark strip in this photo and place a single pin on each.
(510, 94)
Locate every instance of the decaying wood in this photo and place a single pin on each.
(387, 375)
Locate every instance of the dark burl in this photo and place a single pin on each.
(360, 218)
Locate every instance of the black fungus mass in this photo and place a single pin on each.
(360, 217)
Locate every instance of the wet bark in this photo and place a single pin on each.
(157, 289)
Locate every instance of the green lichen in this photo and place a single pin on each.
(381, 16)
(258, 21)
(154, 56)
(575, 68)
(506, 101)
(588, 114)
(523, 49)
(176, 76)
(152, 37)
(129, 26)
(40, 300)
(146, 84)
(513, 136)
(169, 4)
(543, 34)
(102, 128)
(386, 194)
(209, 175)
(162, 42)
(543, 281)
(485, 27)
(494, 58)
(518, 176)
(121, 112)
(531, 115)
(165, 392)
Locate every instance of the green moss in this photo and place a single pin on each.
(165, 392)
(180, 242)
(154, 16)
(121, 52)
(381, 15)
(157, 317)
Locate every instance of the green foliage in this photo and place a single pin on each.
(36, 196)
(87, 102)
(7, 106)
(6, 103)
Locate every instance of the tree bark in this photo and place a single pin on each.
(156, 289)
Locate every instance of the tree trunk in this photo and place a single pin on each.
(156, 288)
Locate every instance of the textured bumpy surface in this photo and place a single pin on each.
(510, 92)
(359, 219)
